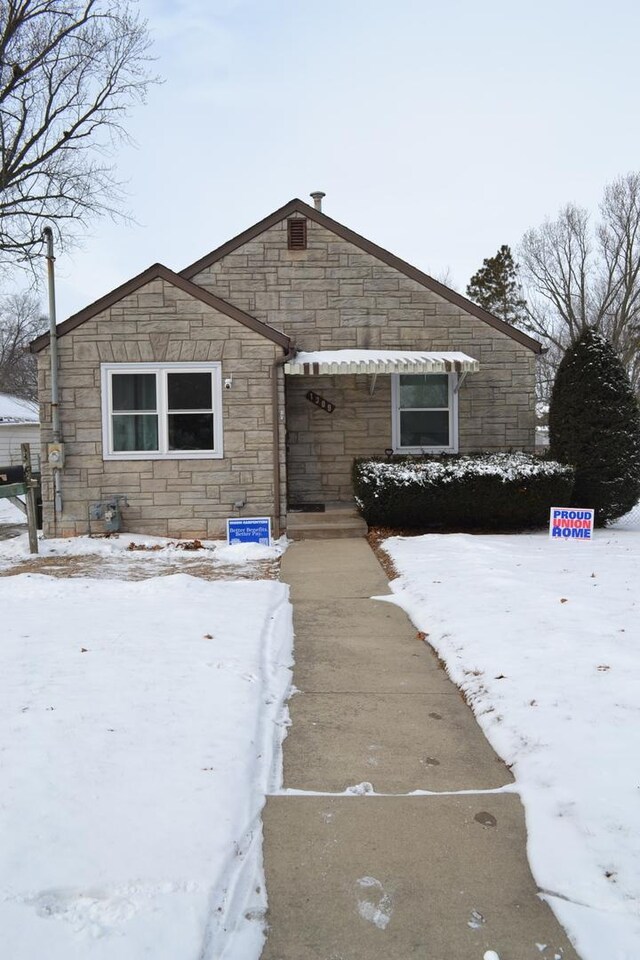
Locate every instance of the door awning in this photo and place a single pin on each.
(313, 363)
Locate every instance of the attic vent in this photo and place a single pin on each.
(297, 233)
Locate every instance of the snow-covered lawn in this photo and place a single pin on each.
(10, 514)
(134, 557)
(140, 727)
(544, 639)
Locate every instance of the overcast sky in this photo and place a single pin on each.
(438, 130)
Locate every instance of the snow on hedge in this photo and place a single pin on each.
(504, 466)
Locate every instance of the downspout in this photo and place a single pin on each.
(280, 362)
(55, 451)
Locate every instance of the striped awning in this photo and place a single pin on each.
(317, 362)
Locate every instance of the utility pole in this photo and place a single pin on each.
(55, 452)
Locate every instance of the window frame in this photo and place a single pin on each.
(161, 370)
(452, 396)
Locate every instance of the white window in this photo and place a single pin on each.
(161, 411)
(425, 413)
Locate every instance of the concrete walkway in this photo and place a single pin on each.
(393, 877)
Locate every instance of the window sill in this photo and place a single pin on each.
(187, 455)
(421, 450)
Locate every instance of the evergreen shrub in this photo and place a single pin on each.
(504, 491)
(594, 424)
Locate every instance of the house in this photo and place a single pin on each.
(248, 382)
(19, 423)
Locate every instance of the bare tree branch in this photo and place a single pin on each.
(21, 320)
(69, 72)
(578, 277)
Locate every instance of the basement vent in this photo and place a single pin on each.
(297, 234)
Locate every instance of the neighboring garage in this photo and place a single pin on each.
(19, 423)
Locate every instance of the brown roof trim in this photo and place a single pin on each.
(299, 206)
(292, 207)
(159, 271)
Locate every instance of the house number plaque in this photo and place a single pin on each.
(321, 402)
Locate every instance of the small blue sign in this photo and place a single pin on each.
(249, 530)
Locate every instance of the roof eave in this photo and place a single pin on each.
(250, 233)
(154, 272)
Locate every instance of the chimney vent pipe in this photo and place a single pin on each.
(317, 196)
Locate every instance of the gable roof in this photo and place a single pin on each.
(299, 206)
(154, 272)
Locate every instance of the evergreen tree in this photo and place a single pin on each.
(496, 288)
(594, 424)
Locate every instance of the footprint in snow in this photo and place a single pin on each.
(99, 912)
(374, 904)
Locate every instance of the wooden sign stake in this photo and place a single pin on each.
(30, 497)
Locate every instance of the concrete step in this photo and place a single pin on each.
(329, 525)
(333, 532)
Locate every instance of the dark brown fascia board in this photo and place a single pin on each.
(299, 206)
(294, 206)
(159, 271)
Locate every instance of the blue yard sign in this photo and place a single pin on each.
(249, 530)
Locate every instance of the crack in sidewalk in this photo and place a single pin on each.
(366, 790)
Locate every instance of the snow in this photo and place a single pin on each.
(15, 410)
(140, 729)
(10, 514)
(542, 638)
(360, 789)
(504, 466)
(139, 548)
(376, 906)
(350, 356)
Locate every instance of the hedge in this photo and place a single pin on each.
(506, 491)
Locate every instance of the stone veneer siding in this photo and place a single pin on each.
(336, 296)
(171, 498)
